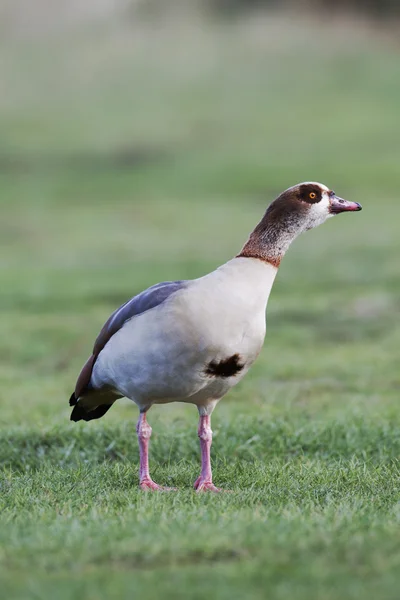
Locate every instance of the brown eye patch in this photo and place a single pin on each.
(310, 193)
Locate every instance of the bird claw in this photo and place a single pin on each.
(202, 485)
(150, 485)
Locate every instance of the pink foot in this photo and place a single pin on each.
(150, 485)
(202, 485)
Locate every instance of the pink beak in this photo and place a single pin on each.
(339, 205)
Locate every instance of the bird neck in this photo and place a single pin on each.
(271, 238)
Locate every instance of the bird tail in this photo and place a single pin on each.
(82, 412)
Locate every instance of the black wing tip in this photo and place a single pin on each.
(73, 399)
(80, 414)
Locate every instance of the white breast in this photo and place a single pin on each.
(227, 307)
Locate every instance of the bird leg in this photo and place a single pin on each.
(204, 482)
(144, 430)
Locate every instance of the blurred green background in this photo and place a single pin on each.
(141, 142)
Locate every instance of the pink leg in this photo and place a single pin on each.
(144, 430)
(204, 482)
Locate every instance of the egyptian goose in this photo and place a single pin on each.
(191, 341)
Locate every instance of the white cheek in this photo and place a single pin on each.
(319, 212)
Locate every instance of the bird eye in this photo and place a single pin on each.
(313, 195)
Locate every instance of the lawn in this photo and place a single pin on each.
(132, 154)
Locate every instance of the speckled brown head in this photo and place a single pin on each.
(297, 209)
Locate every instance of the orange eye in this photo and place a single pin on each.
(313, 195)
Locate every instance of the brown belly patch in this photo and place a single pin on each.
(224, 368)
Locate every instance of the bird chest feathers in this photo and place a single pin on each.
(224, 312)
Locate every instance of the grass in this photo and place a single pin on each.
(124, 161)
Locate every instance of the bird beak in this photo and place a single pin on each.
(338, 205)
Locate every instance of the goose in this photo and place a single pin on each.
(192, 341)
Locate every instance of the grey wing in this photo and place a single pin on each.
(150, 298)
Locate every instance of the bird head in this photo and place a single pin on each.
(308, 205)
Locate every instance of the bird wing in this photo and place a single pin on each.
(150, 298)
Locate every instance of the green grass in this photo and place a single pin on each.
(145, 157)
